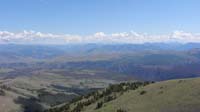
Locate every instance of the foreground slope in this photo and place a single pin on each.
(182, 95)
(167, 96)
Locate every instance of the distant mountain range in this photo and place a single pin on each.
(158, 61)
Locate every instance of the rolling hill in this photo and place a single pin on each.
(182, 95)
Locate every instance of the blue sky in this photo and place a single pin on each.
(85, 17)
(99, 21)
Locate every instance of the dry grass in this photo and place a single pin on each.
(168, 96)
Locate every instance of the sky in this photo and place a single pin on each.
(134, 21)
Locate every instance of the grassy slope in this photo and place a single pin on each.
(167, 96)
(32, 86)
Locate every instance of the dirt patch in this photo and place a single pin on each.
(7, 105)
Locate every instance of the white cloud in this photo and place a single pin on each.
(99, 37)
(123, 34)
(99, 34)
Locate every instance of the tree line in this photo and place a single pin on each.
(99, 97)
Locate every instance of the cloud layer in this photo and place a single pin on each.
(32, 37)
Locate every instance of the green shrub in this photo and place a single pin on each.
(2, 93)
(143, 92)
(99, 105)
